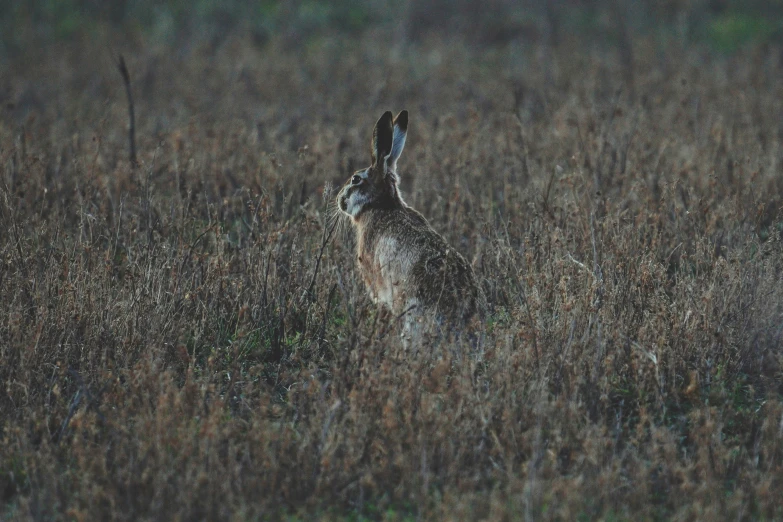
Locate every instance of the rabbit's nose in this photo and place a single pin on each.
(343, 205)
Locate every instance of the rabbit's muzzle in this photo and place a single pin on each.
(344, 198)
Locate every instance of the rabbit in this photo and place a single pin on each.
(406, 265)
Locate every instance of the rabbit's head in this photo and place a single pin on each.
(376, 186)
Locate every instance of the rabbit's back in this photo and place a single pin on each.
(445, 282)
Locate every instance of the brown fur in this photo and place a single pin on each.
(405, 263)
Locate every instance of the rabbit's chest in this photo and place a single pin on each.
(386, 268)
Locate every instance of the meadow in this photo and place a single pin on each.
(187, 338)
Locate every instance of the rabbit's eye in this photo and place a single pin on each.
(356, 179)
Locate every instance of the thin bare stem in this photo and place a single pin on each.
(131, 112)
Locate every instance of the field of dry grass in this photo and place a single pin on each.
(178, 341)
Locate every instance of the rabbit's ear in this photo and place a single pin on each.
(398, 143)
(382, 138)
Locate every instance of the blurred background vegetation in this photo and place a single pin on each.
(723, 25)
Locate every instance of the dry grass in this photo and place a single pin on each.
(163, 358)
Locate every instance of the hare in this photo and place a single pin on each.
(406, 265)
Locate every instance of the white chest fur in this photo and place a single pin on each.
(386, 272)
